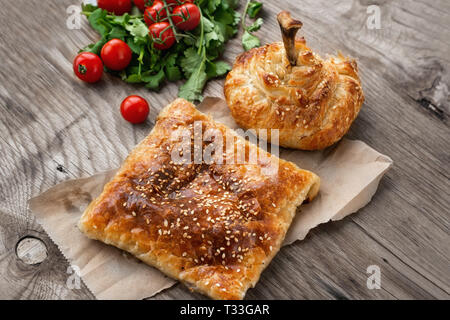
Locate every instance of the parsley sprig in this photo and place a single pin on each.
(250, 41)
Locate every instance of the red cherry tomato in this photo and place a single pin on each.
(134, 109)
(162, 35)
(178, 2)
(88, 67)
(156, 13)
(118, 7)
(141, 4)
(172, 4)
(116, 54)
(186, 17)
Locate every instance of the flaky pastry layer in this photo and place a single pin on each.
(215, 227)
(312, 104)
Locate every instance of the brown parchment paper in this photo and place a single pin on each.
(350, 172)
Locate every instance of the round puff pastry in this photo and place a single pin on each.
(312, 101)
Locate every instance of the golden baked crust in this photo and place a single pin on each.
(215, 227)
(312, 103)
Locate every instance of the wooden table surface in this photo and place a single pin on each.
(54, 127)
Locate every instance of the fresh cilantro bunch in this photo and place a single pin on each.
(194, 57)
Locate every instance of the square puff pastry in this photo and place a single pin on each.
(215, 227)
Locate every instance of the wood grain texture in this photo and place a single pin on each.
(53, 127)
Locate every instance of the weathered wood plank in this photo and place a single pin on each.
(53, 128)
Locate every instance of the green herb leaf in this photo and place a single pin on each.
(254, 7)
(217, 69)
(230, 4)
(98, 22)
(191, 61)
(173, 74)
(117, 33)
(135, 47)
(212, 5)
(121, 20)
(193, 88)
(96, 47)
(88, 7)
(138, 29)
(208, 25)
(249, 41)
(133, 78)
(154, 81)
(256, 25)
(222, 68)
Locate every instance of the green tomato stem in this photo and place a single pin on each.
(169, 17)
